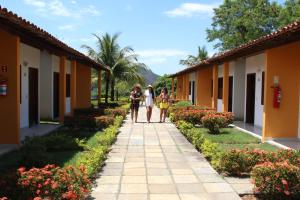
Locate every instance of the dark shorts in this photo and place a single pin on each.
(135, 106)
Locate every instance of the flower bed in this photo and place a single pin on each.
(279, 180)
(73, 182)
(275, 174)
(52, 182)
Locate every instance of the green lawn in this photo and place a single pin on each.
(12, 160)
(231, 138)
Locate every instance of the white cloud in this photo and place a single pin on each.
(36, 3)
(90, 10)
(68, 27)
(192, 9)
(58, 8)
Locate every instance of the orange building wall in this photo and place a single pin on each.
(204, 80)
(10, 104)
(283, 62)
(179, 87)
(83, 83)
(185, 87)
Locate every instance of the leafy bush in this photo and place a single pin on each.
(52, 182)
(116, 112)
(239, 162)
(93, 158)
(192, 116)
(104, 121)
(279, 180)
(88, 111)
(183, 104)
(88, 122)
(214, 123)
(184, 126)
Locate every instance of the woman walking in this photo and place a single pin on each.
(135, 96)
(149, 101)
(164, 104)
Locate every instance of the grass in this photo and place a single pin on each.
(231, 138)
(11, 160)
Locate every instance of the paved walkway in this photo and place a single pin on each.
(155, 162)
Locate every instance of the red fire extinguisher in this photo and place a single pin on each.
(3, 87)
(277, 97)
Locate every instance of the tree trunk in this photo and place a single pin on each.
(117, 95)
(112, 90)
(106, 88)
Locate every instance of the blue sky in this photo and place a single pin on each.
(161, 31)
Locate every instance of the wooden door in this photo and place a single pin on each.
(33, 96)
(250, 99)
(55, 95)
(230, 94)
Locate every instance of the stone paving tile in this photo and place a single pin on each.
(155, 162)
(192, 197)
(164, 197)
(162, 189)
(190, 188)
(217, 187)
(132, 197)
(134, 188)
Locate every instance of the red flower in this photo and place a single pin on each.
(21, 170)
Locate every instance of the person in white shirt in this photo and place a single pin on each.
(149, 101)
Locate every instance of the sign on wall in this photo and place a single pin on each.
(4, 69)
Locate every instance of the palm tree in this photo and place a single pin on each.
(122, 62)
(193, 60)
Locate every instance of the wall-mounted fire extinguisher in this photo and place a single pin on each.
(277, 96)
(3, 87)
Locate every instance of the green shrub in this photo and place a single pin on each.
(214, 123)
(94, 157)
(59, 142)
(239, 162)
(198, 139)
(277, 180)
(116, 112)
(192, 116)
(183, 104)
(184, 126)
(88, 111)
(104, 121)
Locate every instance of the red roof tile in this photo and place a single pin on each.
(280, 37)
(13, 21)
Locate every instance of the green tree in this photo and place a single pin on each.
(236, 22)
(122, 62)
(290, 12)
(161, 82)
(193, 60)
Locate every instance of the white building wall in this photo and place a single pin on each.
(68, 99)
(46, 72)
(55, 63)
(239, 89)
(29, 57)
(256, 64)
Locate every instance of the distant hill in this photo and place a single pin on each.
(149, 76)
